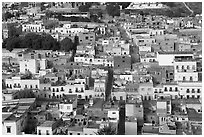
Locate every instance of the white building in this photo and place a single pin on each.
(190, 89)
(13, 124)
(32, 65)
(131, 126)
(69, 31)
(145, 5)
(33, 28)
(47, 128)
(16, 83)
(167, 58)
(99, 88)
(113, 115)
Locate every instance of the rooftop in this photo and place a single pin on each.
(93, 125)
(75, 128)
(69, 99)
(177, 52)
(47, 124)
(98, 104)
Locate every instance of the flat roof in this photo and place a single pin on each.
(177, 52)
(75, 128)
(93, 125)
(47, 124)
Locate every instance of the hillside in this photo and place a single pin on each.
(175, 9)
(180, 9)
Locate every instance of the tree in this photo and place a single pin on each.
(13, 31)
(113, 9)
(100, 14)
(13, 42)
(76, 42)
(7, 15)
(66, 44)
(107, 130)
(84, 8)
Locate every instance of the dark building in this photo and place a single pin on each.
(168, 73)
(122, 63)
(87, 38)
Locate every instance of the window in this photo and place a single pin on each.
(193, 91)
(8, 128)
(170, 89)
(86, 37)
(193, 96)
(36, 86)
(31, 86)
(39, 132)
(198, 91)
(198, 96)
(191, 78)
(26, 86)
(187, 96)
(176, 89)
(68, 107)
(188, 67)
(78, 133)
(70, 133)
(184, 78)
(165, 89)
(62, 89)
(187, 91)
(113, 112)
(47, 132)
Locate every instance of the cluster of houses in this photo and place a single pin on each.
(47, 92)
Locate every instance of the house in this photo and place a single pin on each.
(68, 106)
(33, 28)
(163, 105)
(118, 93)
(100, 88)
(190, 89)
(194, 104)
(167, 58)
(91, 128)
(47, 128)
(146, 90)
(18, 82)
(131, 125)
(75, 130)
(32, 65)
(171, 89)
(167, 42)
(134, 108)
(122, 62)
(15, 115)
(185, 70)
(86, 37)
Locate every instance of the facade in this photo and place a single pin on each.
(190, 89)
(46, 128)
(122, 62)
(87, 38)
